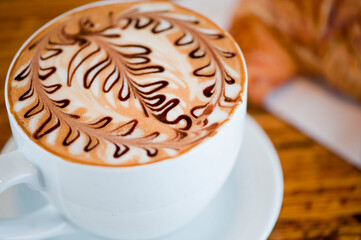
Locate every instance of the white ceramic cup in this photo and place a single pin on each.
(137, 202)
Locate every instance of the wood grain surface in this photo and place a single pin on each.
(322, 198)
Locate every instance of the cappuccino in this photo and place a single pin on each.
(126, 84)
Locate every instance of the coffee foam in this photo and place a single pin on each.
(125, 84)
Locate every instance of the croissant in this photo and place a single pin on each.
(285, 38)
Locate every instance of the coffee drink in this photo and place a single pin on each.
(125, 84)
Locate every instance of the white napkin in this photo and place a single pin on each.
(325, 116)
(330, 119)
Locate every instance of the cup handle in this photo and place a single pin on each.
(43, 223)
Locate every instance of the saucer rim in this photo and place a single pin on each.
(277, 174)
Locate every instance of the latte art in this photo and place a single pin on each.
(126, 83)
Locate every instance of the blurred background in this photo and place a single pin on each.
(304, 63)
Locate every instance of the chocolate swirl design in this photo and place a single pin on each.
(132, 84)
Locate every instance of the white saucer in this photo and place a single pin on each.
(247, 206)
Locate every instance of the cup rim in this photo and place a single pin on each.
(116, 167)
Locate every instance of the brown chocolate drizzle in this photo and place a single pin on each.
(51, 88)
(45, 129)
(202, 71)
(23, 74)
(56, 52)
(92, 143)
(182, 42)
(71, 137)
(120, 151)
(34, 110)
(27, 94)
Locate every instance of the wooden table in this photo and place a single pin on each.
(322, 198)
